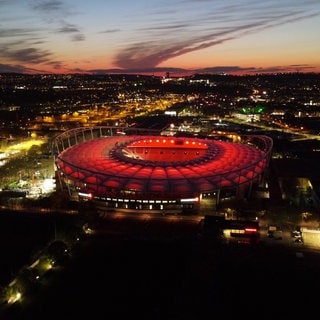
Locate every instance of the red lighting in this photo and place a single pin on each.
(161, 167)
(250, 230)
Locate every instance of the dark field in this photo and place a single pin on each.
(166, 271)
(23, 235)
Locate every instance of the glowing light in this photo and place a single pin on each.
(196, 199)
(85, 195)
(250, 230)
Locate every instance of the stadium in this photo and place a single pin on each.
(141, 170)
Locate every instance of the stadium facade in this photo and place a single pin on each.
(141, 170)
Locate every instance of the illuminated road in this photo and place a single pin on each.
(298, 135)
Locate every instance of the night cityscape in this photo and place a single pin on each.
(251, 248)
(159, 160)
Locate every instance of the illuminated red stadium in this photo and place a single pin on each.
(157, 172)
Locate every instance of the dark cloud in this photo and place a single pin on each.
(68, 29)
(172, 71)
(169, 40)
(15, 32)
(27, 55)
(78, 37)
(55, 64)
(148, 55)
(38, 42)
(17, 68)
(8, 68)
(208, 70)
(78, 70)
(169, 27)
(12, 68)
(110, 31)
(55, 11)
(174, 29)
(223, 69)
(47, 6)
(21, 44)
(285, 69)
(139, 71)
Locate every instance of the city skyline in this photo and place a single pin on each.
(155, 37)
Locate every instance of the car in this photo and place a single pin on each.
(298, 240)
(296, 234)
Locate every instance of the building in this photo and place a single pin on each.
(239, 231)
(119, 169)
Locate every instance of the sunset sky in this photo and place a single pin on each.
(105, 36)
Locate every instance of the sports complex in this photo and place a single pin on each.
(142, 170)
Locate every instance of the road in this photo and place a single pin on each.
(297, 134)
